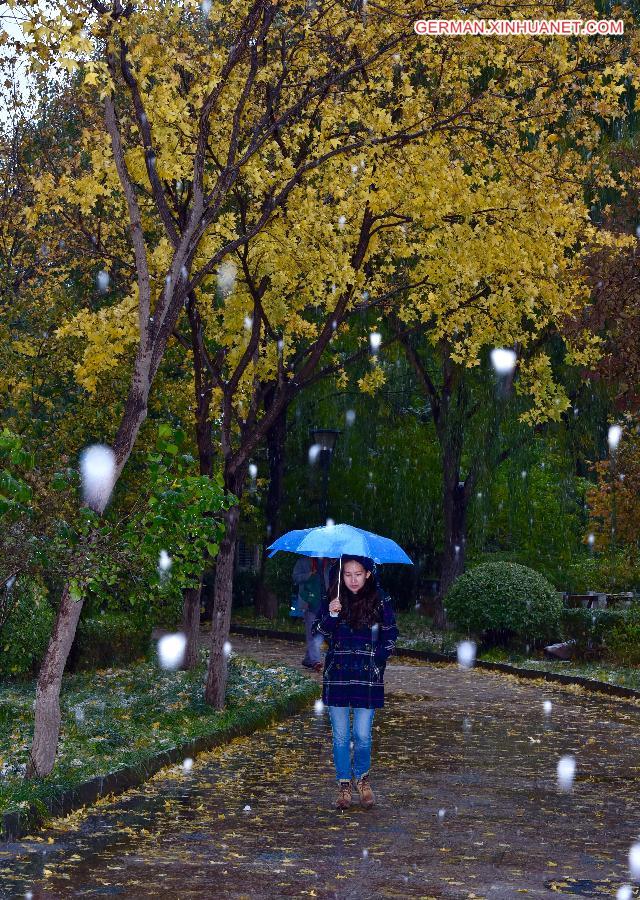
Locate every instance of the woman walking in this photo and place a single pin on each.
(359, 625)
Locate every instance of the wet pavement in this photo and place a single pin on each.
(464, 771)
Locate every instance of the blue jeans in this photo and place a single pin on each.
(341, 727)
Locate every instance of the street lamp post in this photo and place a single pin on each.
(325, 438)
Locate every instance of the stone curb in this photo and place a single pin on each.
(591, 684)
(16, 824)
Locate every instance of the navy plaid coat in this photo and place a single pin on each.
(356, 659)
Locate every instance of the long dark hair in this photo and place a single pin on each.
(360, 609)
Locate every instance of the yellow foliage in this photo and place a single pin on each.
(487, 236)
(108, 335)
(549, 398)
(586, 353)
(372, 381)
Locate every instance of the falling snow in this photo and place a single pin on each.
(566, 771)
(503, 361)
(102, 280)
(98, 472)
(171, 650)
(466, 651)
(314, 452)
(226, 277)
(613, 436)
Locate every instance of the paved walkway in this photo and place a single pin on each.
(464, 770)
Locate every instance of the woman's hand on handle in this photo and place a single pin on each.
(335, 606)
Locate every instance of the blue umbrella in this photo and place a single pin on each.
(290, 540)
(338, 540)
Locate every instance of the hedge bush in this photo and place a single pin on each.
(622, 642)
(106, 640)
(613, 571)
(502, 600)
(27, 628)
(590, 628)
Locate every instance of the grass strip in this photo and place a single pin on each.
(119, 726)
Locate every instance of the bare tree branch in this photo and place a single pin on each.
(159, 194)
(135, 222)
(419, 368)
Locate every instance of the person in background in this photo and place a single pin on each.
(311, 576)
(358, 622)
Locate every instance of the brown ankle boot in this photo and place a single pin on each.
(364, 789)
(343, 800)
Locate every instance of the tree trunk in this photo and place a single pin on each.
(450, 428)
(203, 390)
(266, 602)
(46, 730)
(217, 672)
(454, 505)
(47, 712)
(191, 625)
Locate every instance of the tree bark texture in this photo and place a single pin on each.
(46, 731)
(454, 506)
(47, 712)
(191, 625)
(203, 391)
(217, 672)
(266, 602)
(451, 423)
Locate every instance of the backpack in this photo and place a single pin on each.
(310, 591)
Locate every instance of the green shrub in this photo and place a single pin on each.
(108, 640)
(613, 571)
(590, 628)
(623, 640)
(502, 600)
(166, 612)
(25, 632)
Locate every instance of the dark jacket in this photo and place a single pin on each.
(356, 659)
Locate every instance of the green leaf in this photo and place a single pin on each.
(12, 487)
(75, 591)
(213, 549)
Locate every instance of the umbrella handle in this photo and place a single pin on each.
(335, 615)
